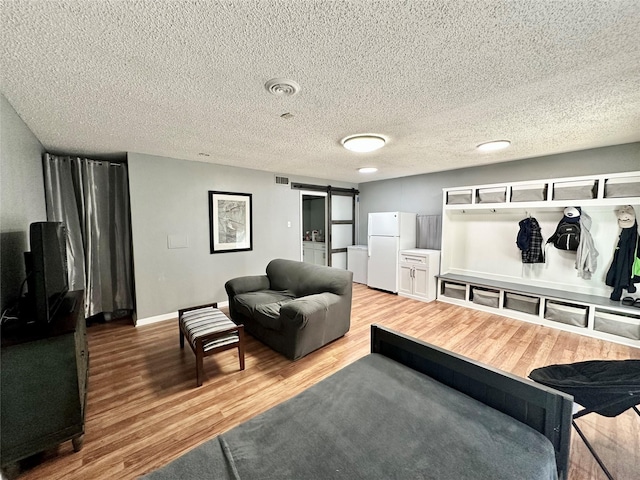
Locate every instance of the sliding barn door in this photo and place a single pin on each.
(341, 219)
(342, 225)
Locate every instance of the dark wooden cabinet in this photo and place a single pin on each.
(44, 374)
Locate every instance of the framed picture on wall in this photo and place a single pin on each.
(230, 222)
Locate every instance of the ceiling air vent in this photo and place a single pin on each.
(282, 180)
(282, 87)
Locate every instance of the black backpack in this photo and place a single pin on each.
(567, 234)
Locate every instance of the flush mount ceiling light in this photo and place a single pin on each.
(493, 146)
(281, 87)
(368, 170)
(363, 142)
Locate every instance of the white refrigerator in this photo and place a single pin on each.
(388, 233)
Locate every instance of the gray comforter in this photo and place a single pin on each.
(374, 419)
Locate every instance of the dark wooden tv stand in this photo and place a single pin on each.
(44, 382)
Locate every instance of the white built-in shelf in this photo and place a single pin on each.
(586, 191)
(481, 266)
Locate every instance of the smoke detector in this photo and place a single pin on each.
(281, 87)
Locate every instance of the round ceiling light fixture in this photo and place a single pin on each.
(282, 87)
(368, 170)
(493, 145)
(363, 143)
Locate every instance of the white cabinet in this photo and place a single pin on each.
(480, 258)
(320, 254)
(307, 252)
(418, 269)
(357, 256)
(314, 252)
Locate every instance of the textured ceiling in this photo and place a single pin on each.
(178, 78)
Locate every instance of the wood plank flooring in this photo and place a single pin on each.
(144, 409)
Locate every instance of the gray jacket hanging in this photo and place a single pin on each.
(586, 254)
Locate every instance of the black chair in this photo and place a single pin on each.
(605, 387)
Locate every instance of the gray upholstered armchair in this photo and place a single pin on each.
(295, 308)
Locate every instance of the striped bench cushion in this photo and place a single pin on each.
(204, 321)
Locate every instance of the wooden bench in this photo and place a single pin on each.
(209, 331)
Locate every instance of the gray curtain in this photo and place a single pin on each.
(92, 199)
(429, 232)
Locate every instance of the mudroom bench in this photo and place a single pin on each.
(589, 315)
(481, 266)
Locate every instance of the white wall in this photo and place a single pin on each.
(483, 245)
(21, 197)
(169, 197)
(422, 194)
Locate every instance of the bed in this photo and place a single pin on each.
(406, 410)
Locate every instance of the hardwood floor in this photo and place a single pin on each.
(144, 409)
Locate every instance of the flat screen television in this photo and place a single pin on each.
(46, 267)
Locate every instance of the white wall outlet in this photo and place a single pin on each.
(289, 224)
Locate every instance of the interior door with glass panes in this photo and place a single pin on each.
(341, 226)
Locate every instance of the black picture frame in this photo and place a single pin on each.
(230, 222)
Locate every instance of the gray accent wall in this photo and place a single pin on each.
(21, 197)
(169, 197)
(422, 194)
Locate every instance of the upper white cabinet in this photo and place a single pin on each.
(481, 266)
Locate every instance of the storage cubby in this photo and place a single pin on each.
(570, 314)
(486, 297)
(522, 303)
(481, 266)
(492, 195)
(458, 197)
(454, 290)
(575, 190)
(622, 187)
(625, 325)
(529, 192)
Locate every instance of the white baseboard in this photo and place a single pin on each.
(158, 318)
(167, 316)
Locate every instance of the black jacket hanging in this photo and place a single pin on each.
(620, 274)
